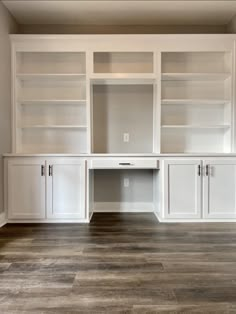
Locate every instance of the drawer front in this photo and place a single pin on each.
(124, 164)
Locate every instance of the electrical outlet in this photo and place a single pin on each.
(126, 137)
(126, 182)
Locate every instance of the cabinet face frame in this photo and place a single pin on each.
(41, 176)
(209, 173)
(194, 213)
(51, 209)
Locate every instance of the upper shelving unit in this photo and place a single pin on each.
(124, 95)
(51, 100)
(196, 102)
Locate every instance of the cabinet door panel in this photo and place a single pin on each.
(182, 189)
(66, 189)
(220, 189)
(26, 189)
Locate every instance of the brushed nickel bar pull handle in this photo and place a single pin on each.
(207, 170)
(199, 170)
(42, 170)
(50, 171)
(125, 164)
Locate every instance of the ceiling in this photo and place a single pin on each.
(122, 12)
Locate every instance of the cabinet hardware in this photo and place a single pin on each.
(199, 170)
(50, 171)
(125, 164)
(207, 170)
(42, 170)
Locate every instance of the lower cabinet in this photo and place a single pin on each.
(219, 189)
(66, 189)
(46, 189)
(199, 189)
(26, 188)
(182, 189)
(55, 188)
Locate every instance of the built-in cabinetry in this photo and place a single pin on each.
(128, 122)
(182, 188)
(52, 188)
(50, 102)
(26, 188)
(195, 188)
(196, 105)
(219, 188)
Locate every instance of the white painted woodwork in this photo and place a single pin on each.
(66, 188)
(182, 189)
(78, 96)
(109, 163)
(219, 200)
(26, 188)
(111, 85)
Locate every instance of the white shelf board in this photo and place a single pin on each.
(51, 101)
(194, 101)
(50, 76)
(53, 126)
(123, 78)
(193, 126)
(194, 76)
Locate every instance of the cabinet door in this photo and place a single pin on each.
(66, 188)
(219, 200)
(182, 189)
(26, 189)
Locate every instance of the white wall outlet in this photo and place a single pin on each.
(126, 182)
(126, 137)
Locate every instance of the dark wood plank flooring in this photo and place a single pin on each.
(120, 263)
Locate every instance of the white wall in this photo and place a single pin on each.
(7, 25)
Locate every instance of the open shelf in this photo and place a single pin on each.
(53, 140)
(123, 62)
(52, 101)
(51, 62)
(195, 76)
(51, 90)
(195, 140)
(53, 126)
(50, 76)
(189, 126)
(123, 79)
(194, 101)
(196, 62)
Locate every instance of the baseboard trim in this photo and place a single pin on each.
(61, 221)
(197, 220)
(128, 207)
(3, 219)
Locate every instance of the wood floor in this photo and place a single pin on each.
(120, 263)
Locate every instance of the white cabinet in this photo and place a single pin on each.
(46, 189)
(182, 189)
(219, 188)
(26, 189)
(66, 188)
